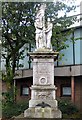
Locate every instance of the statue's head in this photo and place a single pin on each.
(43, 6)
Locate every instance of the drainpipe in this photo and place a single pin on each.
(72, 86)
(72, 89)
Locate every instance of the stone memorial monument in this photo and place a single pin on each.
(43, 103)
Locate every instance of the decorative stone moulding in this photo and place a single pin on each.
(43, 81)
(47, 54)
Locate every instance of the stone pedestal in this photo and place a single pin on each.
(43, 89)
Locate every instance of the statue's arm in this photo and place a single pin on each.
(38, 25)
(49, 28)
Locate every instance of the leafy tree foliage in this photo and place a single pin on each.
(18, 29)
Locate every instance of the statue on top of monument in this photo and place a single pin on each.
(43, 35)
(39, 25)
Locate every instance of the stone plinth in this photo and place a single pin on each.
(39, 112)
(43, 89)
(43, 93)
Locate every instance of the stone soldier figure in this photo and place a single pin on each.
(39, 25)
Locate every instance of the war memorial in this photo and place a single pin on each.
(43, 103)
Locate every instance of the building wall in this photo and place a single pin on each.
(22, 82)
(77, 46)
(71, 56)
(67, 59)
(77, 89)
(59, 82)
(78, 92)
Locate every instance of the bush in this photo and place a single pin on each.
(67, 107)
(13, 109)
(8, 97)
(10, 108)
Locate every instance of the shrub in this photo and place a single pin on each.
(8, 97)
(13, 109)
(67, 107)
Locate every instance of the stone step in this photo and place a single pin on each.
(40, 119)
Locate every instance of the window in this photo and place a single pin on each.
(66, 90)
(25, 90)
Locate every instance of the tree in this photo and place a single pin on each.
(18, 29)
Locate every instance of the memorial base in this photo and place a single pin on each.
(39, 112)
(43, 103)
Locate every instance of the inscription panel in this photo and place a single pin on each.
(44, 68)
(44, 95)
